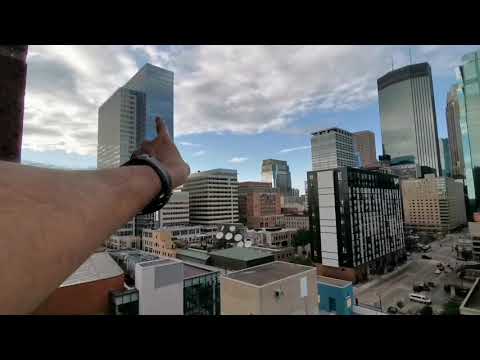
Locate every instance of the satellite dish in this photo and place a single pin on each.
(240, 244)
(232, 228)
(219, 235)
(228, 236)
(248, 243)
(238, 237)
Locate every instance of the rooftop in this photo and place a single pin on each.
(267, 273)
(333, 281)
(98, 266)
(193, 253)
(240, 253)
(157, 262)
(332, 129)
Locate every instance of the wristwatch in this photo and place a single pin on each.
(162, 198)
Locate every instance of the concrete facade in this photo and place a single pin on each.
(434, 204)
(158, 242)
(213, 196)
(272, 237)
(332, 148)
(277, 288)
(175, 212)
(297, 222)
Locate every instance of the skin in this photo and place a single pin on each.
(53, 220)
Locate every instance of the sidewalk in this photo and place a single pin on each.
(381, 278)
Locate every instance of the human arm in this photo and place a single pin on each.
(53, 220)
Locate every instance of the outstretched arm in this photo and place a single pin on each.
(53, 220)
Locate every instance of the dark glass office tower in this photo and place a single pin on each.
(408, 120)
(157, 84)
(469, 105)
(445, 158)
(277, 173)
(455, 133)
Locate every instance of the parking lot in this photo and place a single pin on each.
(396, 286)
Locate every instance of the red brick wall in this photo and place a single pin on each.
(343, 273)
(83, 299)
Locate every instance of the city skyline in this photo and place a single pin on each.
(221, 103)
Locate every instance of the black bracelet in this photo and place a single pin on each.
(162, 198)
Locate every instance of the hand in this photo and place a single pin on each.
(165, 151)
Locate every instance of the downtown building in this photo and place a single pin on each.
(454, 133)
(445, 157)
(356, 220)
(259, 204)
(125, 120)
(408, 119)
(213, 196)
(468, 94)
(277, 173)
(364, 147)
(433, 204)
(332, 148)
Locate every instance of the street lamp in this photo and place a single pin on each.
(380, 300)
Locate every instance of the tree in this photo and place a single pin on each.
(302, 238)
(451, 308)
(426, 310)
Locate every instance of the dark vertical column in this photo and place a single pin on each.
(13, 75)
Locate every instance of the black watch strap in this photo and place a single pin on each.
(162, 198)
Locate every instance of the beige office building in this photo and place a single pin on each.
(273, 237)
(433, 203)
(175, 212)
(275, 288)
(297, 222)
(159, 242)
(213, 196)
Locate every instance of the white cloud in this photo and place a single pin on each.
(186, 143)
(240, 89)
(294, 149)
(199, 153)
(237, 160)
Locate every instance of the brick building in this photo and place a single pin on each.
(258, 204)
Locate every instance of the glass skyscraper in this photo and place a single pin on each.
(277, 173)
(157, 85)
(445, 158)
(468, 93)
(408, 119)
(455, 133)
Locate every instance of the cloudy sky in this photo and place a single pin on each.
(234, 105)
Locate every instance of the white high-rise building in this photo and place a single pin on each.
(332, 148)
(176, 212)
(213, 196)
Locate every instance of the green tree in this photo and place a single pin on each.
(302, 261)
(302, 238)
(451, 308)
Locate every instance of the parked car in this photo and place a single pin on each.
(392, 310)
(417, 288)
(426, 257)
(438, 271)
(431, 284)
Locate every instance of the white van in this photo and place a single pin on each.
(420, 298)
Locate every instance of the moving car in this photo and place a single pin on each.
(426, 257)
(438, 271)
(392, 310)
(420, 299)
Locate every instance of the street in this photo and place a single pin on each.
(396, 286)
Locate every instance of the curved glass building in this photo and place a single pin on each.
(408, 119)
(468, 93)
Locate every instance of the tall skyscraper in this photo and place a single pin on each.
(408, 119)
(455, 133)
(213, 196)
(332, 148)
(277, 173)
(469, 105)
(364, 146)
(127, 118)
(157, 84)
(445, 158)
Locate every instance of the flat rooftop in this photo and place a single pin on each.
(98, 266)
(333, 281)
(157, 262)
(193, 253)
(240, 253)
(267, 273)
